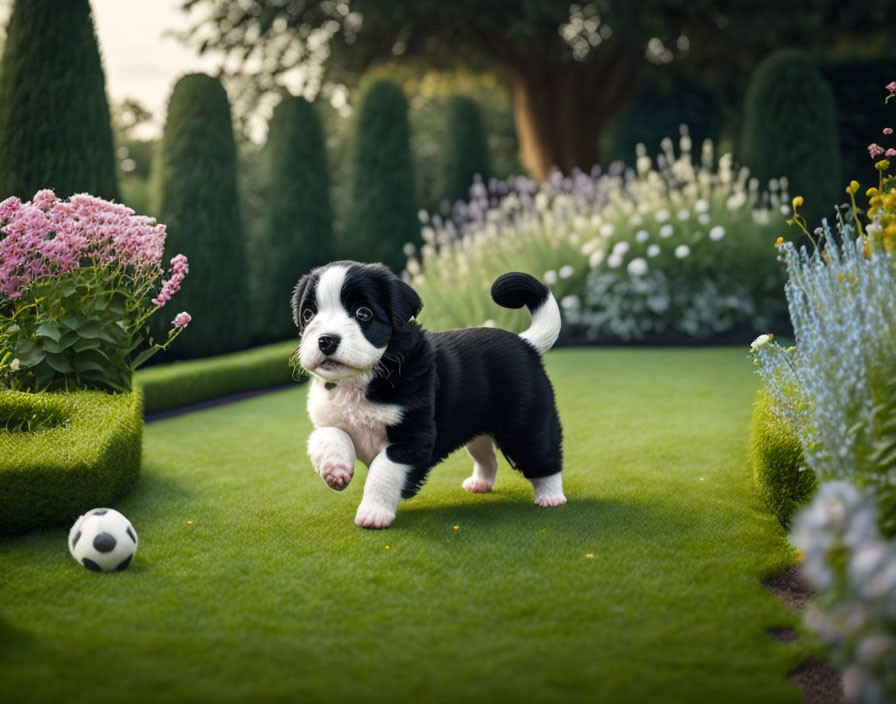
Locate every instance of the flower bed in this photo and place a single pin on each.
(63, 453)
(673, 250)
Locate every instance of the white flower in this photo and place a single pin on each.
(409, 249)
(566, 271)
(637, 266)
(681, 251)
(607, 229)
(550, 277)
(596, 258)
(570, 301)
(717, 233)
(541, 201)
(642, 236)
(636, 219)
(667, 230)
(413, 266)
(614, 261)
(621, 247)
(683, 214)
(701, 206)
(423, 216)
(653, 250)
(704, 218)
(661, 215)
(785, 209)
(760, 341)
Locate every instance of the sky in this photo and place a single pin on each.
(140, 59)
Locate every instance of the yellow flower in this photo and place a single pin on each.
(882, 165)
(189, 523)
(871, 192)
(590, 555)
(456, 527)
(779, 242)
(852, 187)
(388, 547)
(797, 202)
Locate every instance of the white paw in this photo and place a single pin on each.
(550, 500)
(336, 475)
(374, 516)
(477, 486)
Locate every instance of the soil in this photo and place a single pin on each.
(817, 681)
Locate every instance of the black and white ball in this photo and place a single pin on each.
(103, 540)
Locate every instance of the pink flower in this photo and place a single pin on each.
(888, 130)
(179, 269)
(891, 87)
(181, 319)
(875, 150)
(891, 152)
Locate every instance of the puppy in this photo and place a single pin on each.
(402, 399)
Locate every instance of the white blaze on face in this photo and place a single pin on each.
(355, 351)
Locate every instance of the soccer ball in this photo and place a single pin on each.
(103, 540)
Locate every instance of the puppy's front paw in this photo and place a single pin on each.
(477, 486)
(373, 516)
(336, 476)
(550, 500)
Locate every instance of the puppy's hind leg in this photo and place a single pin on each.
(485, 467)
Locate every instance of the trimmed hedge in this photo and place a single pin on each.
(382, 212)
(790, 129)
(54, 119)
(298, 219)
(84, 452)
(179, 384)
(465, 150)
(780, 476)
(194, 192)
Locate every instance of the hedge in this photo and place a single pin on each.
(790, 129)
(780, 476)
(54, 119)
(179, 384)
(82, 450)
(194, 192)
(382, 214)
(465, 149)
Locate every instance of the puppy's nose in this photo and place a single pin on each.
(328, 343)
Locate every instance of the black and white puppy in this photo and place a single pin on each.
(402, 399)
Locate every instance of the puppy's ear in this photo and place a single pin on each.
(298, 295)
(405, 303)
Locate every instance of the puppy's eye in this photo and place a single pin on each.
(363, 313)
(307, 315)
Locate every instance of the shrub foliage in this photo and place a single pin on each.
(790, 129)
(195, 194)
(382, 217)
(54, 118)
(465, 152)
(64, 453)
(298, 218)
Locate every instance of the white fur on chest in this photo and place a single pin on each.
(347, 407)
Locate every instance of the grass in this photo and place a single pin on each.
(252, 583)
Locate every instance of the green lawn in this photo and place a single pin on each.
(253, 583)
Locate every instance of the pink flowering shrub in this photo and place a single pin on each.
(79, 280)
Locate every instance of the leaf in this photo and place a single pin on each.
(90, 361)
(72, 321)
(60, 363)
(49, 329)
(143, 356)
(85, 344)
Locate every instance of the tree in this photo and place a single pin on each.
(571, 65)
(790, 129)
(195, 195)
(298, 227)
(54, 118)
(465, 152)
(382, 217)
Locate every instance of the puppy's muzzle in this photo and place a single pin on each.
(328, 344)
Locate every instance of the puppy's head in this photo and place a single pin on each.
(348, 314)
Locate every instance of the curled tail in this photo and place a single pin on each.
(515, 290)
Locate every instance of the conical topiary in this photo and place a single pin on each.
(465, 153)
(790, 129)
(54, 118)
(382, 216)
(195, 195)
(298, 220)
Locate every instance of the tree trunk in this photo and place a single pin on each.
(561, 108)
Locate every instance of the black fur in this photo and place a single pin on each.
(453, 385)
